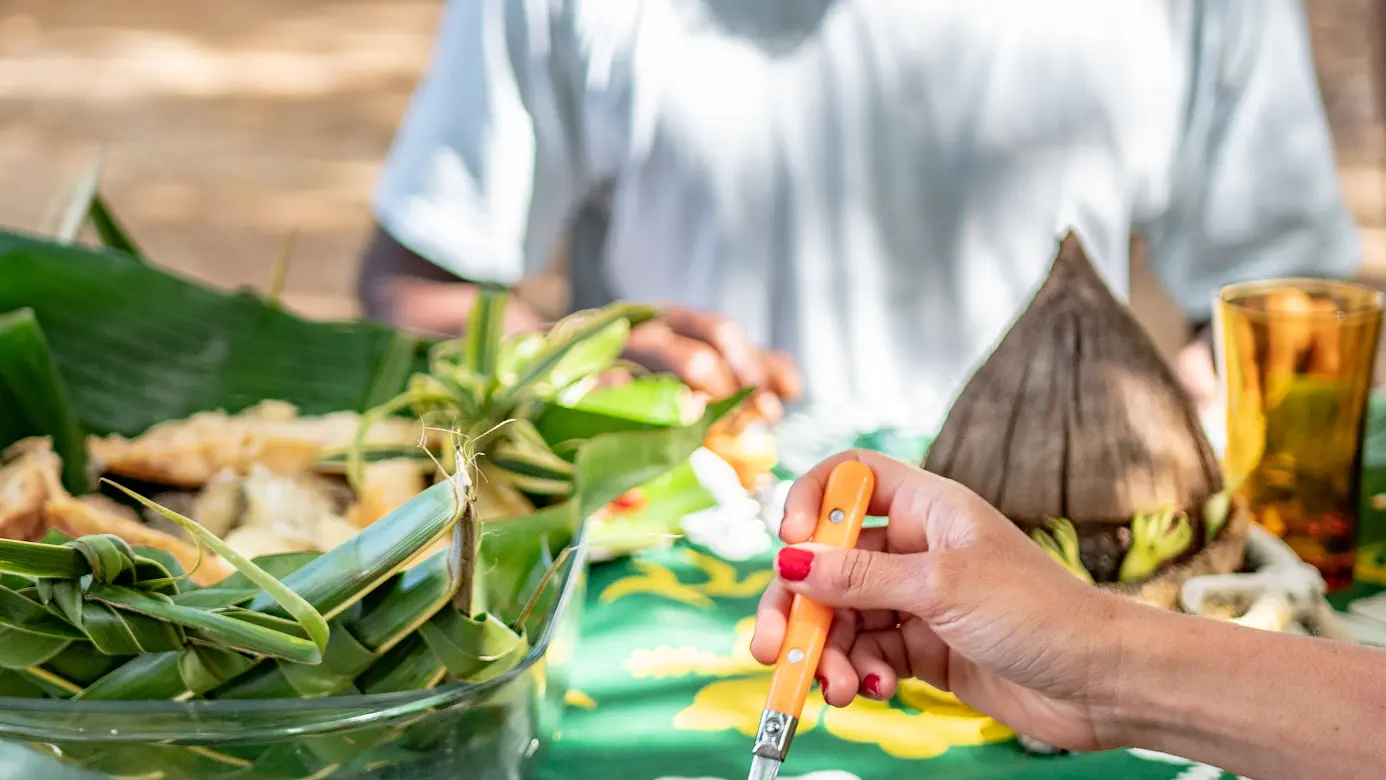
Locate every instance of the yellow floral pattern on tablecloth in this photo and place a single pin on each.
(922, 722)
(721, 582)
(576, 698)
(1371, 563)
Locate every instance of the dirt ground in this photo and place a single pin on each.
(224, 127)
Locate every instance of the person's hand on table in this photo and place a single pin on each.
(716, 358)
(950, 592)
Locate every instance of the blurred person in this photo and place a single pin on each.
(951, 592)
(864, 191)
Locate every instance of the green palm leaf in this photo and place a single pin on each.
(313, 623)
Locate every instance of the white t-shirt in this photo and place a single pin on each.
(874, 185)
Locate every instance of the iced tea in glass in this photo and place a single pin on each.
(1297, 358)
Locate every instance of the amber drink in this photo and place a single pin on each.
(1297, 358)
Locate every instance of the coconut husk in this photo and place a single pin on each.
(1076, 415)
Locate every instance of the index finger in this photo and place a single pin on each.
(784, 377)
(726, 336)
(656, 346)
(894, 479)
(805, 499)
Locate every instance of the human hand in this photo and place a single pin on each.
(953, 593)
(1195, 368)
(715, 357)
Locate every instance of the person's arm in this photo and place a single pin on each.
(1259, 704)
(982, 611)
(486, 167)
(400, 287)
(527, 108)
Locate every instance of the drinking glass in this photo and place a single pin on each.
(1297, 358)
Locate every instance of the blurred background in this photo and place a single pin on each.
(225, 127)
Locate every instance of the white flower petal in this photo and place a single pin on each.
(717, 476)
(772, 509)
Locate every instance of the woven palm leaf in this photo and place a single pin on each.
(94, 619)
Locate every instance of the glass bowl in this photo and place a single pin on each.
(496, 730)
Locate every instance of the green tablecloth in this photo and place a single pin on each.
(664, 687)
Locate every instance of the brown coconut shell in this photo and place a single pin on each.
(1076, 415)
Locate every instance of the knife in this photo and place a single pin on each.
(845, 500)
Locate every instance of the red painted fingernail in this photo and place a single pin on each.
(823, 683)
(793, 563)
(872, 684)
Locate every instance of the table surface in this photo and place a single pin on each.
(664, 688)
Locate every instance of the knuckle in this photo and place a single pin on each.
(699, 361)
(728, 334)
(937, 578)
(856, 571)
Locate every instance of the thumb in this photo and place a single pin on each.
(858, 579)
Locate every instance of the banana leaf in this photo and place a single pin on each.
(33, 399)
(137, 345)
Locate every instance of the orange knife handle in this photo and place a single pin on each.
(845, 501)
